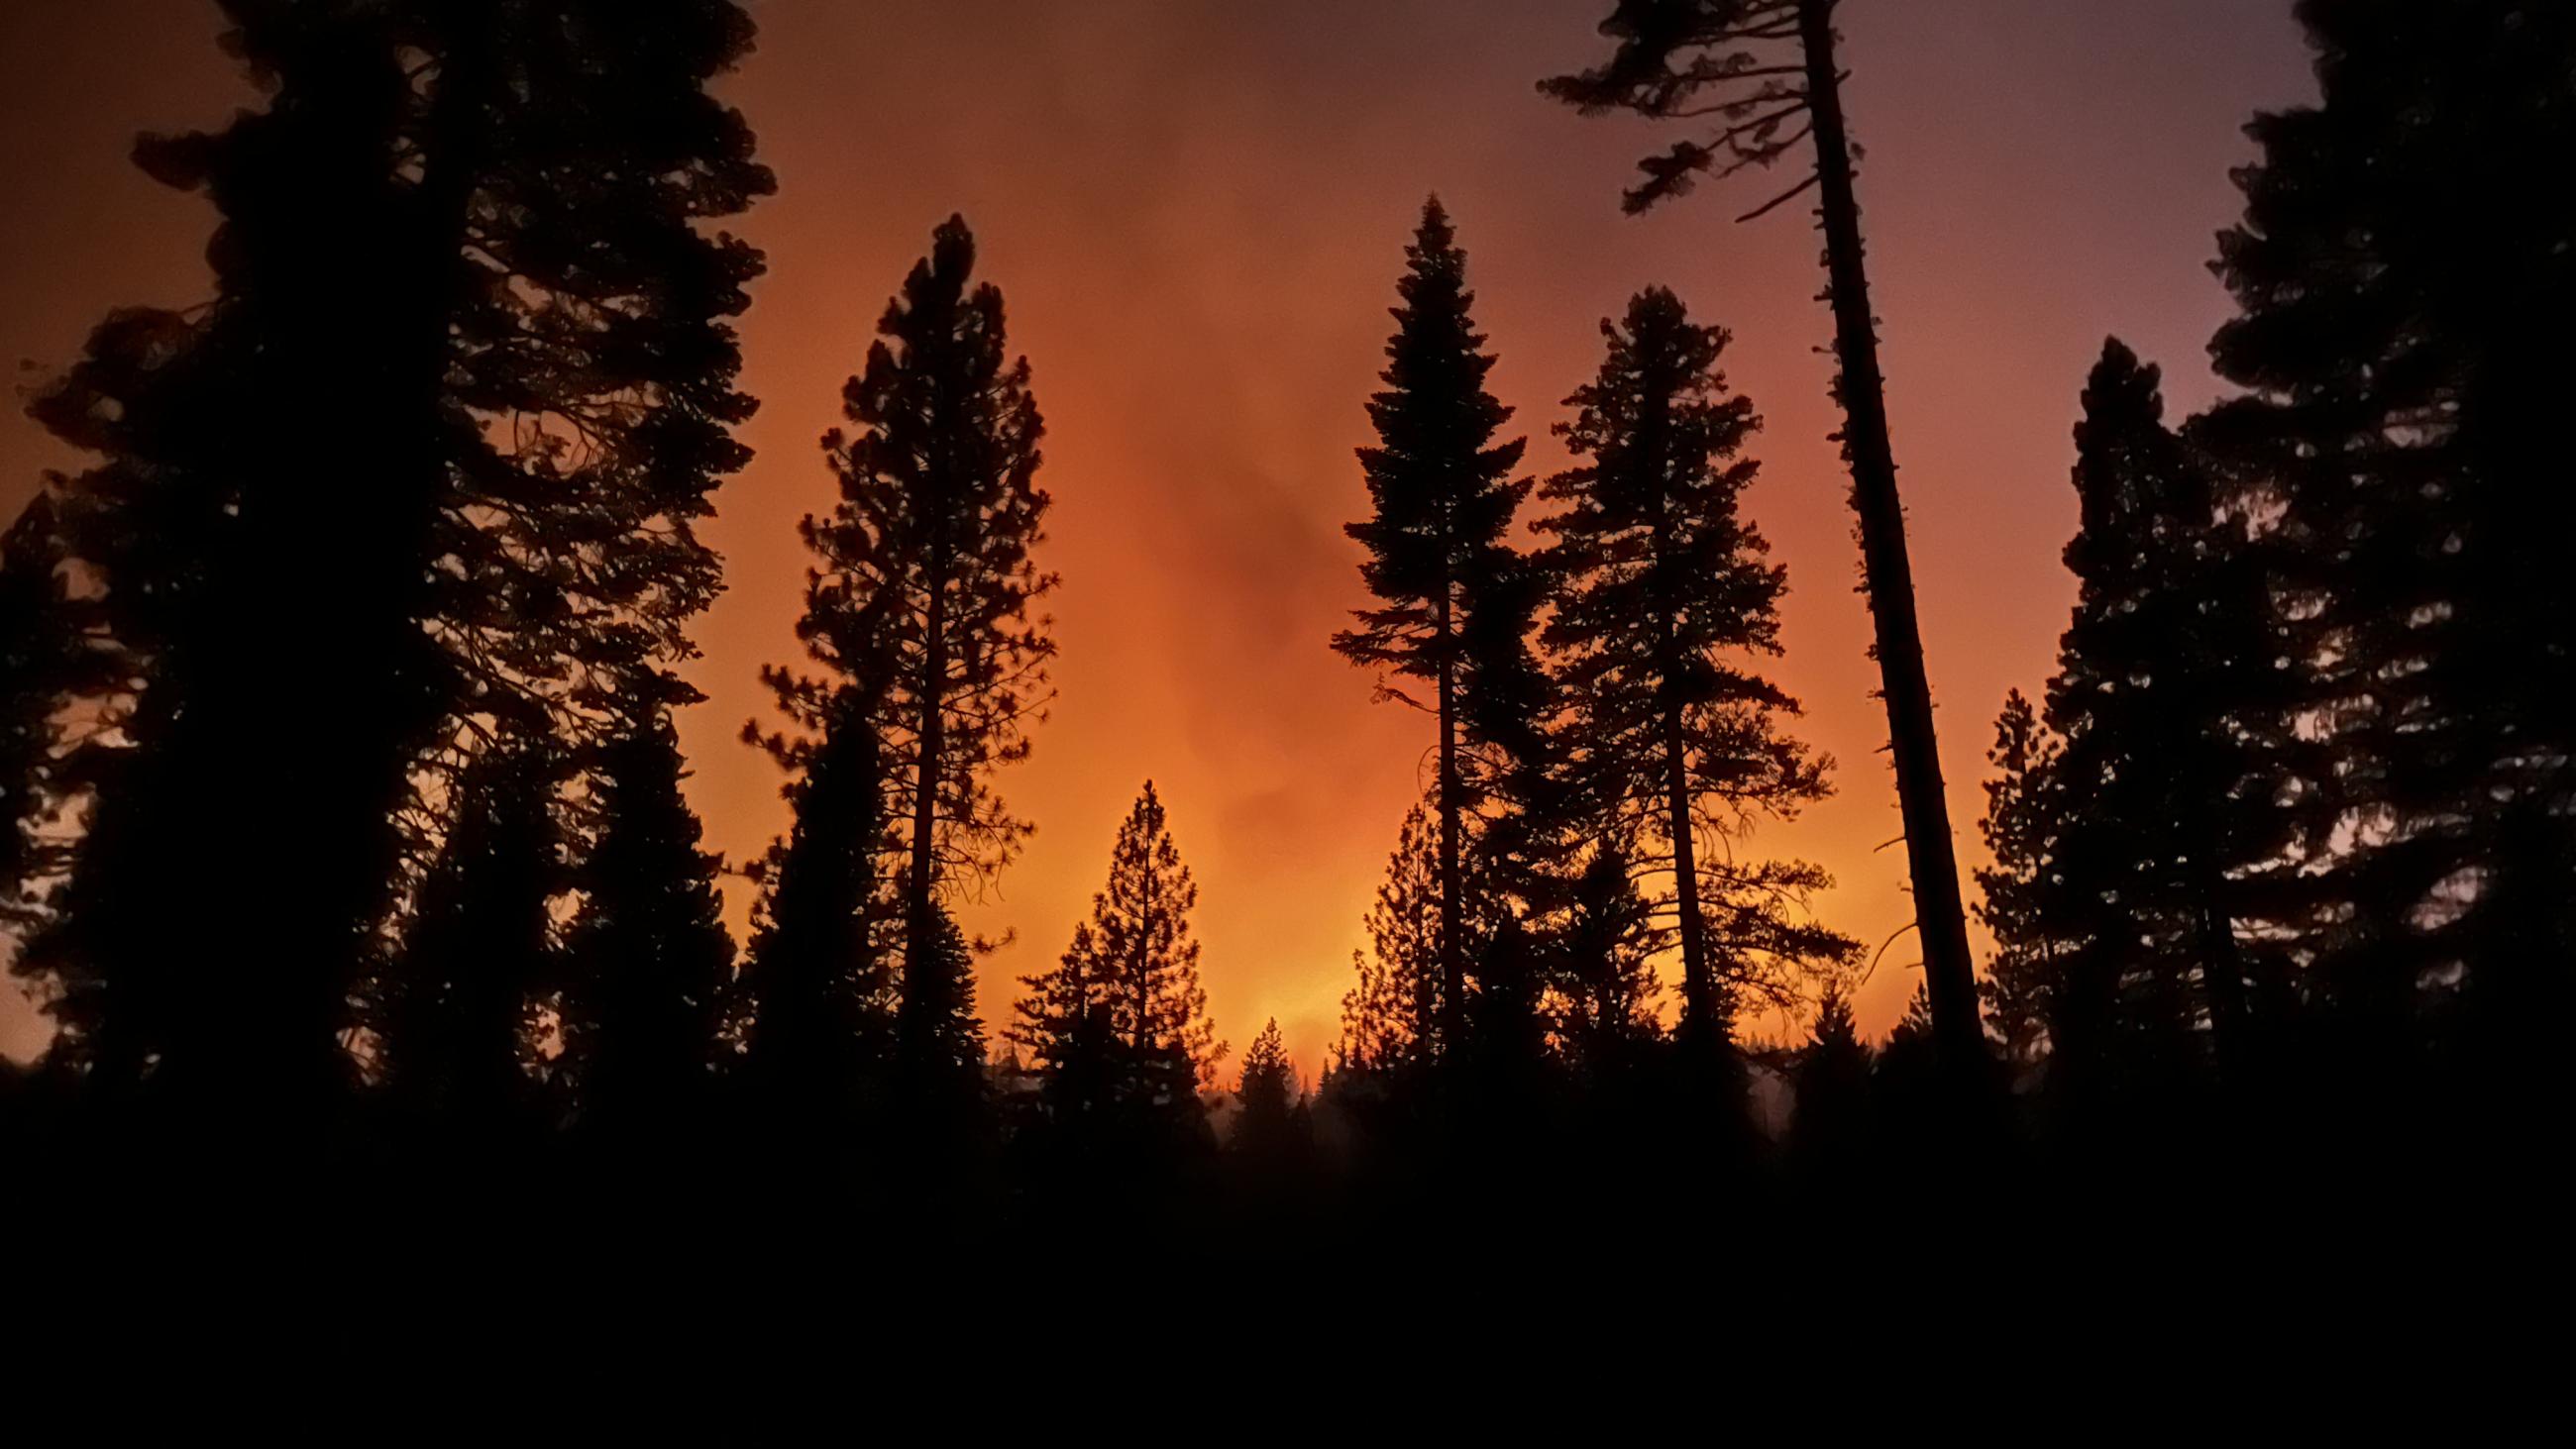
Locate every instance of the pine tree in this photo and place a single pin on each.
(1665, 599)
(1456, 599)
(939, 1041)
(1829, 1133)
(461, 247)
(1266, 1096)
(814, 1007)
(2166, 822)
(1766, 72)
(457, 1020)
(2020, 827)
(921, 600)
(2405, 290)
(1130, 976)
(649, 958)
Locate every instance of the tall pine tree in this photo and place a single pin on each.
(1455, 599)
(1665, 603)
(920, 601)
(2406, 286)
(2168, 826)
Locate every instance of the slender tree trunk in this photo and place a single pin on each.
(1948, 971)
(930, 743)
(1452, 972)
(1699, 997)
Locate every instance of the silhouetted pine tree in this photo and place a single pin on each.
(939, 1043)
(814, 1007)
(457, 1020)
(1389, 1015)
(1457, 600)
(2406, 285)
(1665, 599)
(649, 959)
(1267, 1098)
(461, 247)
(1764, 73)
(1829, 1132)
(922, 598)
(1127, 989)
(2166, 825)
(2020, 828)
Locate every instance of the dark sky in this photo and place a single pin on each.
(1197, 210)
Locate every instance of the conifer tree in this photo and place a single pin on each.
(2166, 822)
(1829, 1131)
(1455, 599)
(1763, 74)
(2020, 827)
(649, 958)
(457, 1018)
(925, 577)
(939, 1040)
(1665, 601)
(1266, 1095)
(461, 247)
(814, 1006)
(1130, 976)
(2405, 290)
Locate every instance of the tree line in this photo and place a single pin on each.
(346, 823)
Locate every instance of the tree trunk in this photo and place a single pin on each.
(930, 742)
(1453, 997)
(1699, 996)
(1941, 924)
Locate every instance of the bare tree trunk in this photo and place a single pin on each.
(1860, 388)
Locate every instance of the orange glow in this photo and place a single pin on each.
(1196, 212)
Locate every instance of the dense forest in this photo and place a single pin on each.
(343, 829)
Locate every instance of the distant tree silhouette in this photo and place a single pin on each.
(1455, 598)
(2406, 287)
(649, 962)
(1763, 73)
(1829, 1133)
(1125, 1002)
(457, 1018)
(1665, 596)
(461, 248)
(922, 595)
(2020, 828)
(814, 1008)
(1266, 1096)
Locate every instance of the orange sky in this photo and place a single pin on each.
(1196, 210)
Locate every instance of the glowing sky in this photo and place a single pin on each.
(1196, 210)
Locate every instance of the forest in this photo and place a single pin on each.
(346, 846)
